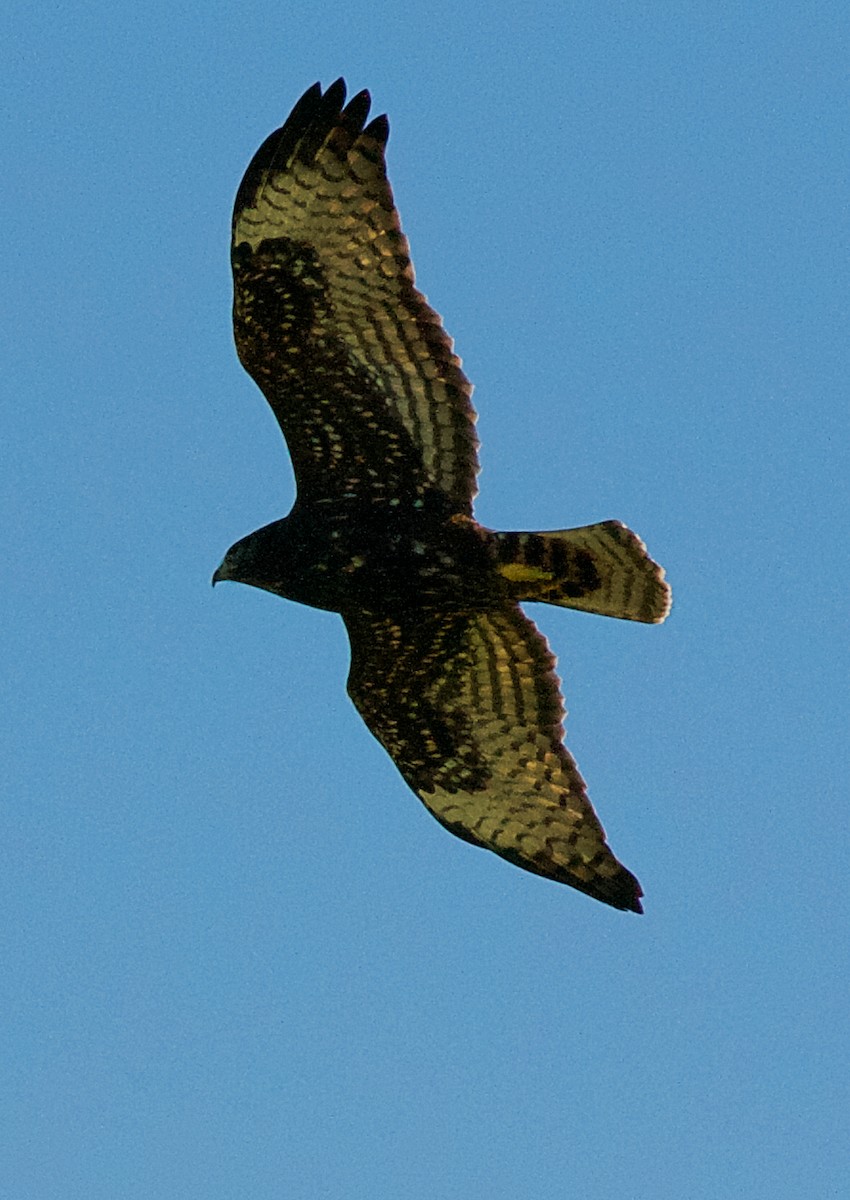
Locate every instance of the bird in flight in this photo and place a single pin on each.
(451, 677)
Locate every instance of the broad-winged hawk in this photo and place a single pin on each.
(448, 673)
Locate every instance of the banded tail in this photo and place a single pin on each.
(602, 569)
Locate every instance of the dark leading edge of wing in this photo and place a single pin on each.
(355, 364)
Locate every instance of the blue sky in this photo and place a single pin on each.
(238, 956)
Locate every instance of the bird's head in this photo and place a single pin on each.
(266, 558)
(256, 559)
(232, 566)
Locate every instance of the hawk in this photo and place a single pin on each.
(451, 677)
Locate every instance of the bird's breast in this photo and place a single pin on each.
(379, 564)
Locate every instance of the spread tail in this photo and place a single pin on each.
(600, 568)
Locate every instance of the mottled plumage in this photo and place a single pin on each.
(448, 673)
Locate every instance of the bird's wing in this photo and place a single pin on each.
(469, 708)
(355, 364)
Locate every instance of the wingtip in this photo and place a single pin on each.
(379, 129)
(357, 110)
(622, 891)
(314, 91)
(625, 901)
(334, 97)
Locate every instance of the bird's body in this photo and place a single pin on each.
(352, 555)
(447, 672)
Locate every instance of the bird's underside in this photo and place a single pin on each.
(451, 677)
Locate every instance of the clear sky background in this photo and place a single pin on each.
(237, 957)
